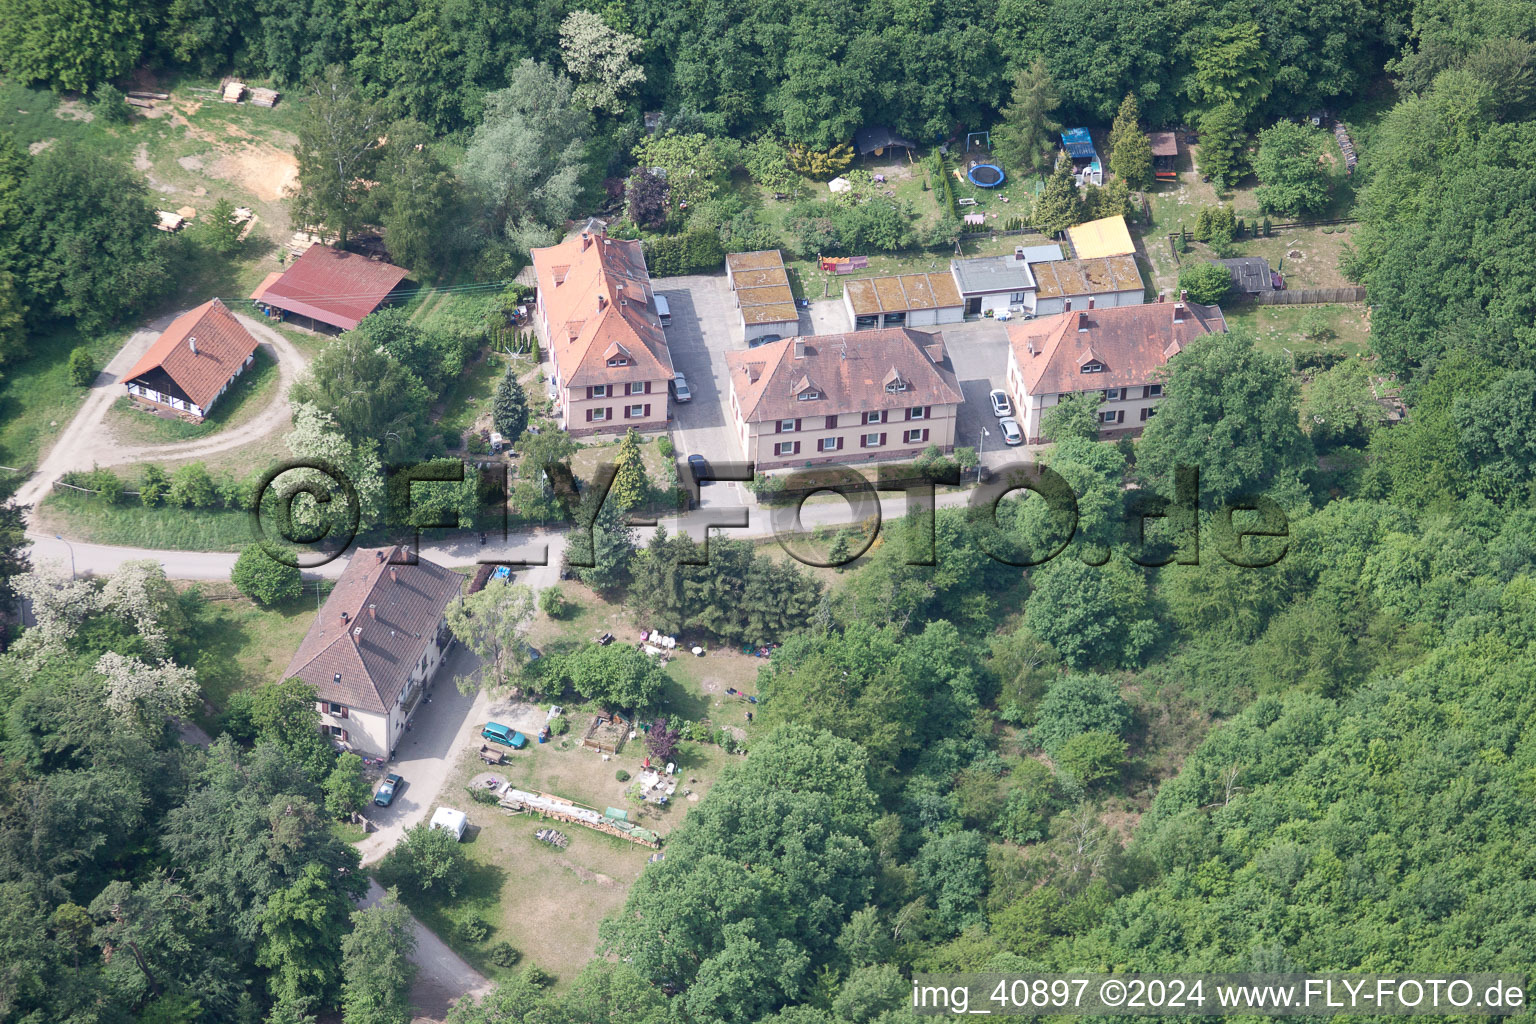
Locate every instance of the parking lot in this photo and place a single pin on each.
(979, 353)
(704, 327)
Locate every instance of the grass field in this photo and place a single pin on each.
(1278, 328)
(37, 400)
(250, 394)
(241, 644)
(84, 518)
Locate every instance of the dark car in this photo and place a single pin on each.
(386, 794)
(767, 339)
(698, 467)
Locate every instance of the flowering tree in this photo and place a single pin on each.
(601, 59)
(60, 604)
(139, 690)
(661, 741)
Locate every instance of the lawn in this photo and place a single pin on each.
(1278, 328)
(468, 400)
(548, 902)
(37, 400)
(84, 518)
(241, 644)
(251, 393)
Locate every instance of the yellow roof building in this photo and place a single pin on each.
(1096, 239)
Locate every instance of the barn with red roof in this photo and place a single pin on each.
(328, 289)
(194, 362)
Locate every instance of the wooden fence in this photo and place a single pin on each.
(1300, 296)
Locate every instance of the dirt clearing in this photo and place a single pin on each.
(266, 171)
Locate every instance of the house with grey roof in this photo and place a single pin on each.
(373, 650)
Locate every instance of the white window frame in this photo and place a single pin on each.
(871, 440)
(635, 387)
(786, 426)
(1092, 366)
(1114, 394)
(918, 413)
(637, 412)
(808, 396)
(1154, 391)
(783, 448)
(600, 415)
(896, 387)
(827, 444)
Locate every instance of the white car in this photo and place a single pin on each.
(1000, 406)
(1011, 432)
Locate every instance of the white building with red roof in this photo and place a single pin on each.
(597, 318)
(374, 648)
(1117, 354)
(195, 361)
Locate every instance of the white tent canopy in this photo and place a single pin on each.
(839, 184)
(450, 820)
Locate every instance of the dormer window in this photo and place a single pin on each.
(807, 396)
(896, 387)
(1093, 366)
(618, 361)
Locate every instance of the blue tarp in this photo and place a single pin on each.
(1078, 143)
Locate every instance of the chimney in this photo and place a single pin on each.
(1183, 295)
(345, 618)
(372, 614)
(1030, 344)
(192, 344)
(586, 240)
(602, 302)
(394, 575)
(1069, 306)
(799, 348)
(1082, 322)
(1161, 296)
(378, 556)
(1178, 312)
(1018, 254)
(1090, 302)
(357, 634)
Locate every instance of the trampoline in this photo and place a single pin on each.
(985, 175)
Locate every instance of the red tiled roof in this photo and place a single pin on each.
(597, 293)
(221, 344)
(849, 371)
(1131, 342)
(374, 628)
(335, 287)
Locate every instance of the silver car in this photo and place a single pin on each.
(1011, 432)
(680, 389)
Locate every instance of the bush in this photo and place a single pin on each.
(192, 487)
(110, 104)
(154, 487)
(1205, 281)
(477, 445)
(695, 251)
(481, 795)
(81, 370)
(504, 954)
(263, 579)
(474, 929)
(560, 725)
(621, 775)
(1078, 704)
(665, 446)
(554, 603)
(107, 484)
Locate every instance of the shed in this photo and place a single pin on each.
(1165, 155)
(877, 139)
(761, 291)
(329, 289)
(1108, 236)
(1250, 274)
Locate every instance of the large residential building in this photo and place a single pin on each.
(375, 646)
(328, 290)
(879, 394)
(597, 317)
(1116, 353)
(194, 362)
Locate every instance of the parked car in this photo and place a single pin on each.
(551, 391)
(698, 467)
(1011, 432)
(767, 339)
(680, 388)
(663, 311)
(1000, 406)
(505, 735)
(386, 794)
